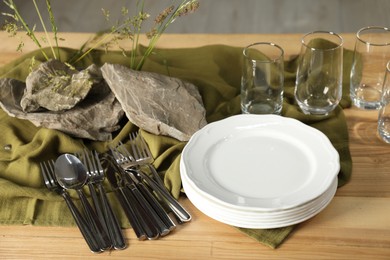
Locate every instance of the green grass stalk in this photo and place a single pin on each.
(44, 29)
(30, 32)
(53, 27)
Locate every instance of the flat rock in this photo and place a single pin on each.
(95, 118)
(156, 103)
(57, 87)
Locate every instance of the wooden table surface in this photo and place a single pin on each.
(356, 224)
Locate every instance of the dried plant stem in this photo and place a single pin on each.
(130, 28)
(30, 32)
(44, 29)
(95, 46)
(161, 29)
(137, 33)
(53, 27)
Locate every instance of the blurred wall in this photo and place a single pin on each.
(222, 16)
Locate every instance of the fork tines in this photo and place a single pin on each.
(47, 170)
(140, 149)
(91, 161)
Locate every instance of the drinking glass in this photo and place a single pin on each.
(262, 79)
(384, 111)
(318, 85)
(372, 51)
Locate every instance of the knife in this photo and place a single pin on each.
(124, 199)
(160, 216)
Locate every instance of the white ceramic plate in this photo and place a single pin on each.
(247, 219)
(260, 162)
(256, 215)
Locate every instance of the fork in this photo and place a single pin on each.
(143, 156)
(157, 213)
(96, 176)
(47, 170)
(96, 202)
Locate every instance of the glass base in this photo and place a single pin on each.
(384, 128)
(261, 109)
(367, 105)
(307, 110)
(385, 136)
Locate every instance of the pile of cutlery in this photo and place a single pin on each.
(151, 210)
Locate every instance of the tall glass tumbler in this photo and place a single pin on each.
(372, 51)
(384, 111)
(318, 85)
(262, 79)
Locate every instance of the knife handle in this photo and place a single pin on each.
(175, 206)
(147, 222)
(131, 215)
(165, 222)
(153, 208)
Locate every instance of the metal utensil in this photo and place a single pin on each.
(47, 170)
(71, 174)
(141, 155)
(124, 196)
(155, 215)
(158, 213)
(94, 195)
(96, 176)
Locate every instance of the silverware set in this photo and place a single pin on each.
(151, 210)
(133, 162)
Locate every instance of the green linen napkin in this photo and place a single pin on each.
(215, 70)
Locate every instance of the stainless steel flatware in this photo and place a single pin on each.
(180, 213)
(140, 156)
(72, 174)
(94, 195)
(47, 170)
(151, 205)
(136, 215)
(96, 177)
(146, 202)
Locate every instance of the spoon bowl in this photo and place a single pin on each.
(70, 172)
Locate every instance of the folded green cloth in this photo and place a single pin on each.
(215, 70)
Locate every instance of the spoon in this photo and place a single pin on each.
(72, 174)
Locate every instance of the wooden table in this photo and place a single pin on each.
(356, 224)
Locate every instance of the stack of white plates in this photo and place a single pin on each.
(259, 171)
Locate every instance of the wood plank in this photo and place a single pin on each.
(349, 228)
